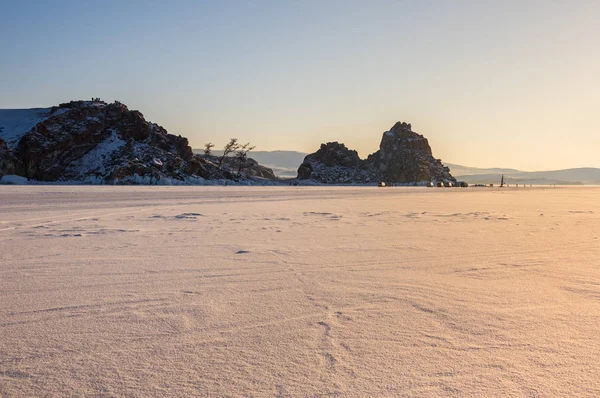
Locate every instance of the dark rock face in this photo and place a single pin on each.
(95, 142)
(334, 163)
(336, 154)
(4, 161)
(403, 157)
(9, 164)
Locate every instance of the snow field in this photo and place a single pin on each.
(299, 291)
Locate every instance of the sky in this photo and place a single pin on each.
(489, 83)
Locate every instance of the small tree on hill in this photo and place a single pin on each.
(242, 156)
(208, 149)
(230, 147)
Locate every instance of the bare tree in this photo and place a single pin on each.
(208, 149)
(242, 156)
(230, 147)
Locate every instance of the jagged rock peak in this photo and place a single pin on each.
(404, 131)
(404, 156)
(401, 126)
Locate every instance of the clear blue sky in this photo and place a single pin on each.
(490, 83)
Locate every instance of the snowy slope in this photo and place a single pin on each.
(96, 160)
(18, 122)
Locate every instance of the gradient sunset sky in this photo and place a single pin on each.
(490, 83)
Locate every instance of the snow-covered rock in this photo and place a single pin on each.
(94, 142)
(98, 143)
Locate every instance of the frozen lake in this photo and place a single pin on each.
(299, 291)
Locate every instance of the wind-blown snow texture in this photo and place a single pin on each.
(224, 291)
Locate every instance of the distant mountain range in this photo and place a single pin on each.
(285, 164)
(474, 175)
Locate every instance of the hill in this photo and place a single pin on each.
(92, 142)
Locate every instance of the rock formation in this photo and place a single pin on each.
(333, 163)
(403, 157)
(96, 142)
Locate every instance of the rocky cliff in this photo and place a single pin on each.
(96, 142)
(404, 156)
(9, 164)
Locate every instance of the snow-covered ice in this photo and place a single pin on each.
(299, 291)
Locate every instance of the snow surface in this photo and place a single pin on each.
(299, 291)
(18, 122)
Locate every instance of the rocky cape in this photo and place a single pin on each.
(404, 156)
(92, 142)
